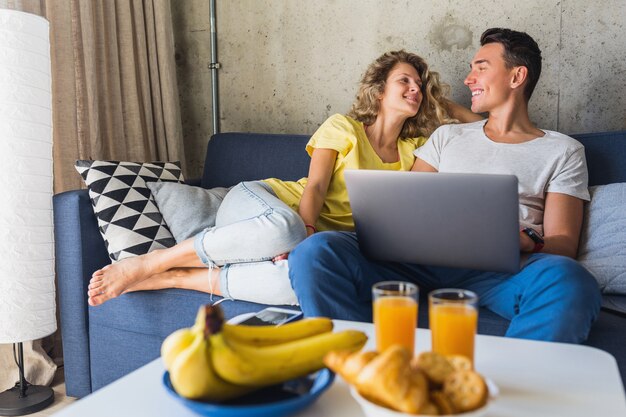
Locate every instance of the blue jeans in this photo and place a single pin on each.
(552, 298)
(252, 226)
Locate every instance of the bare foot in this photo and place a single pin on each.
(185, 278)
(112, 280)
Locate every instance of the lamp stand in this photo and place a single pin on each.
(24, 398)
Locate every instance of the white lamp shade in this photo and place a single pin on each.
(27, 294)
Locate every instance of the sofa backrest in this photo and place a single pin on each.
(606, 156)
(235, 157)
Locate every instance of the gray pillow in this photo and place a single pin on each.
(603, 241)
(186, 209)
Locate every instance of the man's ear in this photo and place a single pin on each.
(519, 76)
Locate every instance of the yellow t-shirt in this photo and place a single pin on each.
(348, 138)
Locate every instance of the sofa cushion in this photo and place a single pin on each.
(187, 210)
(603, 241)
(128, 218)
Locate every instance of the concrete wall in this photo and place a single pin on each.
(289, 64)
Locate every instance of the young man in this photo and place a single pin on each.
(552, 297)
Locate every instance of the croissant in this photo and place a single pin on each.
(389, 380)
(429, 384)
(348, 364)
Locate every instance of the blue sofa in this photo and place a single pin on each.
(104, 343)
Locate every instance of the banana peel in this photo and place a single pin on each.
(261, 366)
(274, 335)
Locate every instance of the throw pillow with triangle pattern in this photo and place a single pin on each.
(128, 217)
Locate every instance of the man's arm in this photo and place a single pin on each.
(562, 222)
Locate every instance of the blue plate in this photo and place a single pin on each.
(275, 401)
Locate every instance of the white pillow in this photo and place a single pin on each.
(603, 241)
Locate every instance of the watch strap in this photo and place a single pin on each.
(535, 237)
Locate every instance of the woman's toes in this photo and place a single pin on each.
(96, 300)
(100, 272)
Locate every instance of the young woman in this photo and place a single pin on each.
(399, 104)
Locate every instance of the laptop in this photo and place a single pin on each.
(439, 219)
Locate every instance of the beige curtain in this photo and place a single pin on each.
(114, 84)
(114, 97)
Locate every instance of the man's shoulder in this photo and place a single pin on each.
(562, 139)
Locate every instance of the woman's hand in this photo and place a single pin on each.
(462, 114)
(281, 257)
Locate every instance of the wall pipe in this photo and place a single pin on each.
(214, 66)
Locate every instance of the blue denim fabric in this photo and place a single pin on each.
(252, 226)
(552, 298)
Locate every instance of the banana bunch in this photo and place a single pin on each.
(214, 361)
(186, 355)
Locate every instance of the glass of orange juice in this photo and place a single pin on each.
(395, 314)
(453, 317)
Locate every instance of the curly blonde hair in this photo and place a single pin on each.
(432, 112)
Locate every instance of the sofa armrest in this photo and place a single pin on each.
(80, 250)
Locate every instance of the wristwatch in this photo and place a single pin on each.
(536, 237)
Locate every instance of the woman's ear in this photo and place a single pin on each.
(520, 74)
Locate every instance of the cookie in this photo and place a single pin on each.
(466, 390)
(442, 402)
(434, 365)
(460, 362)
(429, 409)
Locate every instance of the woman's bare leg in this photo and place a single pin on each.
(185, 278)
(114, 279)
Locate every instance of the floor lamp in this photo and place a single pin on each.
(27, 294)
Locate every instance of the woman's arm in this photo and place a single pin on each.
(562, 222)
(462, 114)
(420, 166)
(320, 172)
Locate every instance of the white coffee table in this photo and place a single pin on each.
(535, 379)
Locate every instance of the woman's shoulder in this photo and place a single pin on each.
(338, 132)
(339, 126)
(343, 122)
(415, 142)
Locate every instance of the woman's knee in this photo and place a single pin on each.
(324, 246)
(319, 257)
(287, 224)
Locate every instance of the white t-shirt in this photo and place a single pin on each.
(553, 163)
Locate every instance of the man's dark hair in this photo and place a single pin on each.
(519, 50)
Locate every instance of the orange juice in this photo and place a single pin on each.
(453, 328)
(395, 319)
